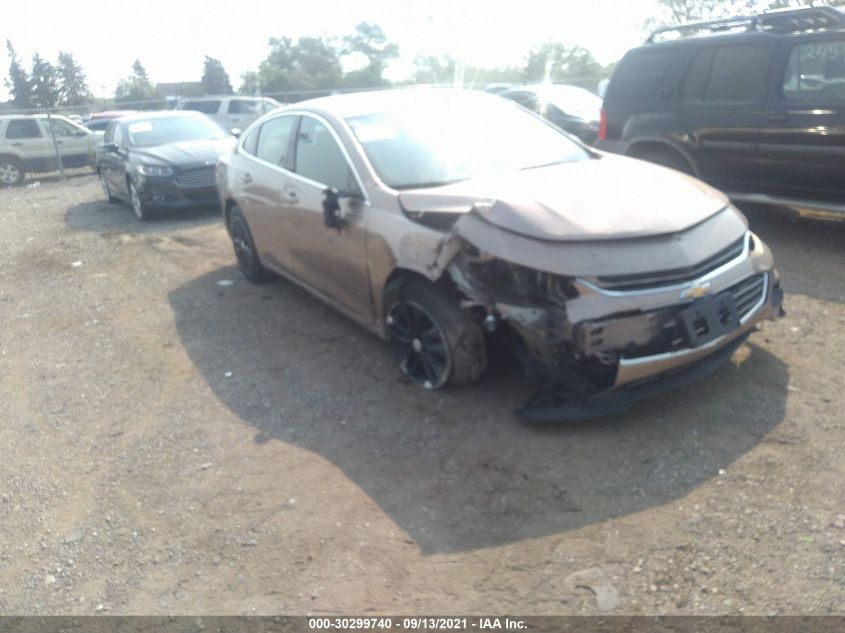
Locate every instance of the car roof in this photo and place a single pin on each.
(158, 114)
(220, 97)
(112, 114)
(360, 103)
(32, 116)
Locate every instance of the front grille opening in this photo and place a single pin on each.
(202, 177)
(748, 293)
(643, 281)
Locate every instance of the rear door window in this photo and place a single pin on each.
(696, 80)
(274, 140)
(816, 72)
(23, 128)
(737, 74)
(640, 74)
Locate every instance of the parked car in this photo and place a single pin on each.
(498, 88)
(99, 121)
(233, 113)
(569, 107)
(432, 217)
(26, 145)
(159, 161)
(758, 111)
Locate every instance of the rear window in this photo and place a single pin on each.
(206, 107)
(816, 72)
(23, 128)
(640, 74)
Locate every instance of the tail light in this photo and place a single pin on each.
(602, 136)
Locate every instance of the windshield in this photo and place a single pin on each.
(573, 99)
(435, 141)
(174, 129)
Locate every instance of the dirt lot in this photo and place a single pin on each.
(174, 444)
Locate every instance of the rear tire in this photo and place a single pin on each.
(244, 246)
(11, 172)
(436, 342)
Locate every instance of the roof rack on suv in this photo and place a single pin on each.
(779, 20)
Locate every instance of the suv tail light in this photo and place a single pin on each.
(602, 136)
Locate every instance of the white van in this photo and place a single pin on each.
(232, 112)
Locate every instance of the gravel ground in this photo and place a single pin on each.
(178, 440)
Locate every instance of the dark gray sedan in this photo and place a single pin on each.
(159, 161)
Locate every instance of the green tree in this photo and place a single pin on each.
(250, 83)
(429, 69)
(560, 62)
(73, 84)
(45, 83)
(682, 11)
(215, 79)
(18, 82)
(370, 41)
(136, 87)
(311, 63)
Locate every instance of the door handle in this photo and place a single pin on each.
(246, 179)
(17, 144)
(781, 117)
(290, 196)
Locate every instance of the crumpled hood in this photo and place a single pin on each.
(186, 153)
(608, 198)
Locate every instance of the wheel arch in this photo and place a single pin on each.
(642, 146)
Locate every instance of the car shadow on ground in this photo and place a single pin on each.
(454, 468)
(814, 246)
(102, 217)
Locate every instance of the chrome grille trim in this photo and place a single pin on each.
(648, 281)
(195, 178)
(749, 294)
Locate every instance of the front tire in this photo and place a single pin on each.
(436, 342)
(244, 246)
(11, 172)
(142, 212)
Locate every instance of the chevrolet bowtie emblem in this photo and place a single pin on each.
(695, 292)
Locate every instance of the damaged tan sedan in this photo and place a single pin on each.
(441, 219)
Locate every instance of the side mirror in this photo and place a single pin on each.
(236, 132)
(110, 147)
(332, 217)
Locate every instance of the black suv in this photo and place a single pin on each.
(753, 105)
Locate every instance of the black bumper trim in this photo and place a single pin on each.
(619, 400)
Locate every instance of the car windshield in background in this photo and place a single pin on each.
(175, 129)
(433, 142)
(572, 99)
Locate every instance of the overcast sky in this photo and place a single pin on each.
(170, 38)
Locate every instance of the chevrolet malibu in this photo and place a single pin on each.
(440, 219)
(161, 161)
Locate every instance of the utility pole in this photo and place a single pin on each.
(56, 145)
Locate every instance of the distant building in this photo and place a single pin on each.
(181, 89)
